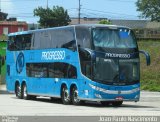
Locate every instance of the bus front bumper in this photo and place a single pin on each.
(126, 93)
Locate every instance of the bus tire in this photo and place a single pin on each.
(18, 91)
(24, 92)
(32, 97)
(117, 103)
(74, 96)
(65, 95)
(105, 103)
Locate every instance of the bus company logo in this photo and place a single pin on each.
(114, 55)
(53, 55)
(20, 62)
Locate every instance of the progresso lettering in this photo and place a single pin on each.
(113, 55)
(53, 55)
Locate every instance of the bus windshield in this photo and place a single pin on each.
(116, 71)
(113, 38)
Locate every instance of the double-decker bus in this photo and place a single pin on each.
(75, 63)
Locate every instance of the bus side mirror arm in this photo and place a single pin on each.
(148, 60)
(74, 48)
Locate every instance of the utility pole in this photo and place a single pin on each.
(79, 12)
(0, 5)
(47, 4)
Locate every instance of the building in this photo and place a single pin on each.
(7, 27)
(144, 29)
(86, 20)
(3, 16)
(10, 25)
(33, 26)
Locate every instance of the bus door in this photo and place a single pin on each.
(86, 69)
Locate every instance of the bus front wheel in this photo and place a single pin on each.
(74, 96)
(18, 91)
(65, 95)
(117, 103)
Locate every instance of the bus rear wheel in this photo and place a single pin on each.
(74, 96)
(18, 91)
(24, 92)
(65, 95)
(117, 103)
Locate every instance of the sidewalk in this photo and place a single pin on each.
(2, 87)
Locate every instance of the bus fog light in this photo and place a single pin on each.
(98, 95)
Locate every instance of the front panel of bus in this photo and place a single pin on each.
(111, 64)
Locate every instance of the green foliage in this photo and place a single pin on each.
(3, 37)
(150, 75)
(2, 48)
(104, 21)
(3, 53)
(54, 17)
(149, 9)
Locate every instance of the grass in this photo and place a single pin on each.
(150, 75)
(3, 53)
(2, 48)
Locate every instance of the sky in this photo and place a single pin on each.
(111, 9)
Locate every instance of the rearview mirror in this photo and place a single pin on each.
(148, 60)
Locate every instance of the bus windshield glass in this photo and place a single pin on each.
(116, 71)
(113, 38)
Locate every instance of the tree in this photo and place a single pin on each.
(3, 37)
(56, 16)
(104, 21)
(149, 9)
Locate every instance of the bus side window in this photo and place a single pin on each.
(51, 70)
(83, 37)
(27, 41)
(70, 45)
(11, 43)
(72, 73)
(20, 42)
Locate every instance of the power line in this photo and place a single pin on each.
(108, 12)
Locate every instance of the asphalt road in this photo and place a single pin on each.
(149, 105)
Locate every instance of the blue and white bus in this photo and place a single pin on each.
(75, 63)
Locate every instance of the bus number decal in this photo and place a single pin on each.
(53, 55)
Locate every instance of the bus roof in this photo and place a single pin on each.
(78, 25)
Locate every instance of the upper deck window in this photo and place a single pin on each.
(114, 38)
(55, 38)
(19, 42)
(83, 35)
